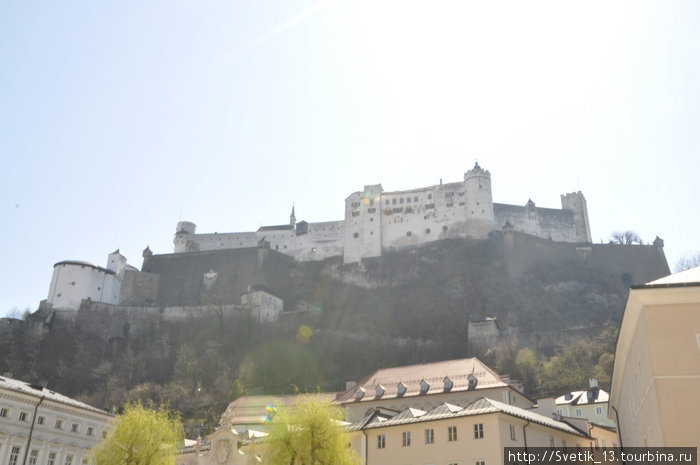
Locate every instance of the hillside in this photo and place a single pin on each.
(557, 320)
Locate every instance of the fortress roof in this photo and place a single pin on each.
(88, 264)
(280, 227)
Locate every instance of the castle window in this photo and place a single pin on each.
(371, 210)
(371, 202)
(406, 438)
(429, 436)
(427, 231)
(449, 195)
(444, 228)
(74, 428)
(23, 416)
(355, 213)
(4, 412)
(408, 200)
(408, 233)
(393, 201)
(40, 420)
(355, 235)
(430, 196)
(58, 424)
(430, 206)
(478, 431)
(398, 210)
(381, 441)
(449, 204)
(387, 211)
(461, 204)
(386, 202)
(401, 200)
(90, 431)
(409, 210)
(415, 199)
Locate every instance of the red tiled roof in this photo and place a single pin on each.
(434, 374)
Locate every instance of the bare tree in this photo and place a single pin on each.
(688, 261)
(626, 238)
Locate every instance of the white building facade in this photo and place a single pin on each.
(41, 427)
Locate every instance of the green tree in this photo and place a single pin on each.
(140, 436)
(308, 433)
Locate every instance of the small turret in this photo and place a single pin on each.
(116, 261)
(292, 218)
(479, 202)
(184, 230)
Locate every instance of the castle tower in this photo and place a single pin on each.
(576, 202)
(363, 224)
(292, 218)
(479, 202)
(184, 231)
(116, 261)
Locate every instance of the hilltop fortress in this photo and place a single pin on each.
(250, 272)
(377, 221)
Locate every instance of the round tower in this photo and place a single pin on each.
(479, 202)
(184, 230)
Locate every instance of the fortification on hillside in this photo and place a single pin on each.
(377, 221)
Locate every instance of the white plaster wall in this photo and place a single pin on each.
(47, 438)
(546, 223)
(72, 283)
(266, 307)
(218, 241)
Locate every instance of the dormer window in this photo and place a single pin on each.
(401, 388)
(424, 386)
(379, 391)
(359, 394)
(471, 379)
(447, 382)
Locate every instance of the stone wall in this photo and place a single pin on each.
(634, 264)
(181, 276)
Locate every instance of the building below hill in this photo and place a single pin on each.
(656, 375)
(40, 426)
(377, 221)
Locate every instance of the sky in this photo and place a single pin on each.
(119, 119)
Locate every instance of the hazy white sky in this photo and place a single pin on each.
(117, 119)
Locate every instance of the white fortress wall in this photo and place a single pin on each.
(74, 281)
(216, 241)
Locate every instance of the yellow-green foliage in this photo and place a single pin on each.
(140, 436)
(309, 433)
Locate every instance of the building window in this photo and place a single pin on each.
(90, 430)
(23, 416)
(560, 411)
(478, 431)
(4, 412)
(381, 441)
(430, 196)
(427, 231)
(58, 424)
(452, 433)
(406, 438)
(33, 456)
(355, 235)
(52, 459)
(69, 460)
(393, 201)
(408, 233)
(512, 432)
(551, 442)
(401, 200)
(408, 199)
(74, 428)
(479, 462)
(40, 420)
(444, 228)
(14, 455)
(599, 410)
(415, 199)
(429, 436)
(386, 202)
(578, 412)
(563, 443)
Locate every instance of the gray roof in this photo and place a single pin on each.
(447, 411)
(39, 392)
